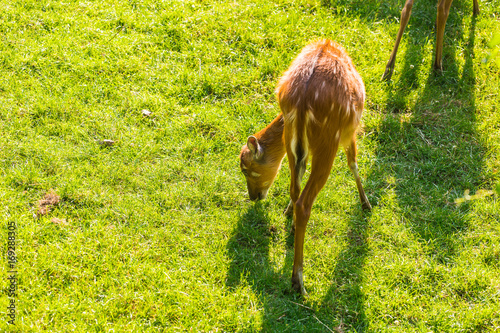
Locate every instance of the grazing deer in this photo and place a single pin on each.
(443, 10)
(321, 97)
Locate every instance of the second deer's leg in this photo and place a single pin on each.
(476, 8)
(405, 16)
(321, 165)
(351, 152)
(442, 15)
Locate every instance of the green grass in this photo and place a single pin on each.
(160, 234)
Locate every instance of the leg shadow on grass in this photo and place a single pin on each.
(282, 309)
(434, 152)
(251, 265)
(343, 305)
(249, 250)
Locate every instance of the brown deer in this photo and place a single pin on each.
(321, 97)
(443, 9)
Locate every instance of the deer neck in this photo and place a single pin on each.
(272, 141)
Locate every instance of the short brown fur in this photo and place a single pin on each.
(321, 97)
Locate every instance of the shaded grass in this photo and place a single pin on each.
(159, 233)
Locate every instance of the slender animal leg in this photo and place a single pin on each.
(476, 8)
(405, 16)
(297, 159)
(442, 16)
(351, 153)
(297, 175)
(321, 165)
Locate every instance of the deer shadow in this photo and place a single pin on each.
(249, 251)
(343, 305)
(251, 265)
(438, 141)
(283, 310)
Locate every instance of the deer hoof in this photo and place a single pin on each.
(438, 67)
(387, 74)
(298, 285)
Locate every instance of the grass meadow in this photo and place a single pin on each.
(120, 129)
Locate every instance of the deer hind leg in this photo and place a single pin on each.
(405, 16)
(351, 152)
(321, 165)
(442, 16)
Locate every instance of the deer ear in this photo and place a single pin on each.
(253, 145)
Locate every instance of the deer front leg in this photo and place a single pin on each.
(297, 160)
(351, 153)
(300, 219)
(405, 16)
(296, 175)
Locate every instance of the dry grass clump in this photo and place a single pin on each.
(46, 204)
